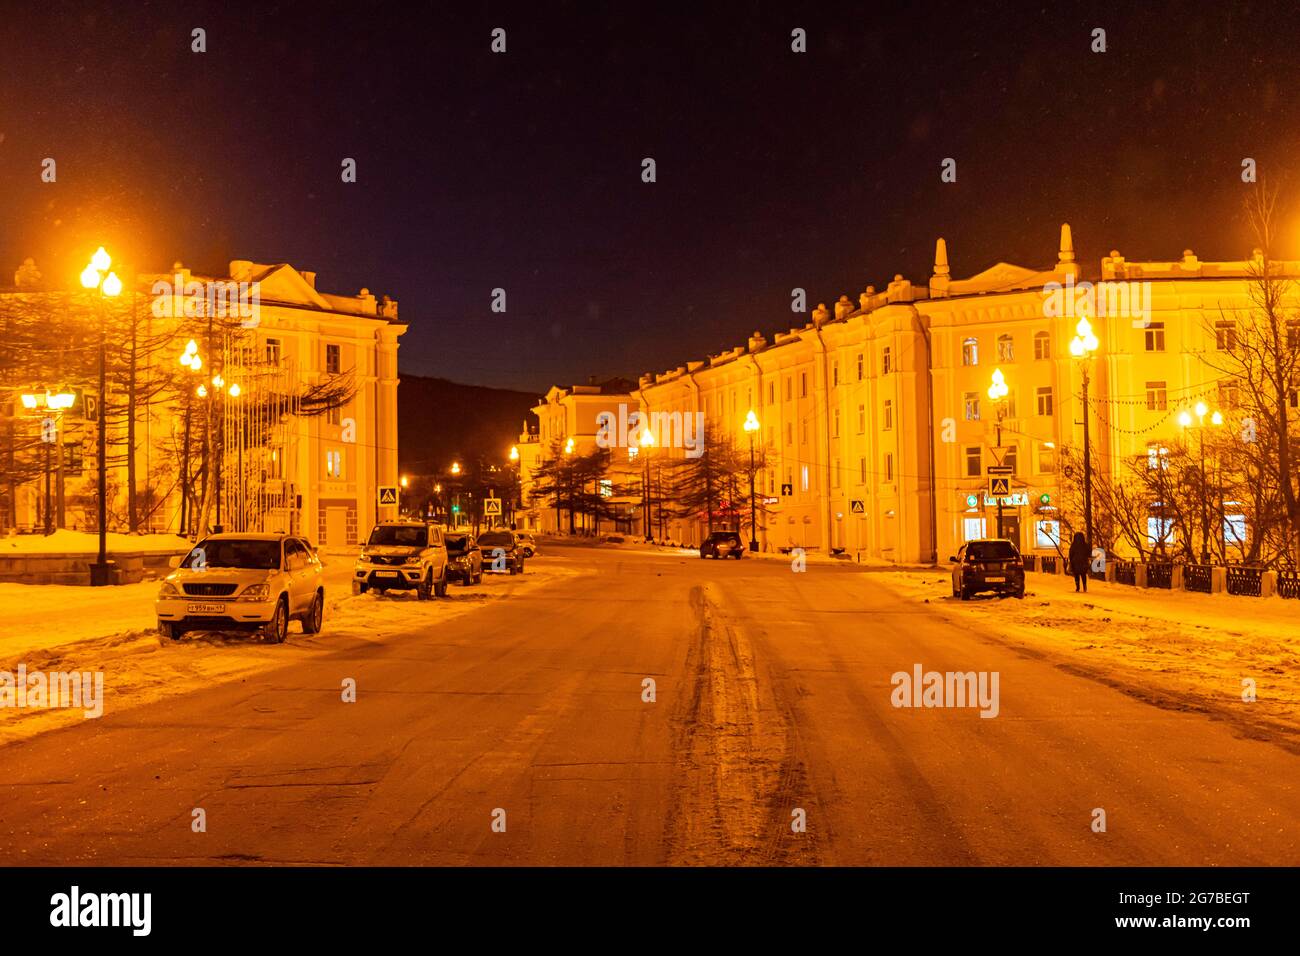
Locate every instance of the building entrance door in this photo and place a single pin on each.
(336, 526)
(1011, 528)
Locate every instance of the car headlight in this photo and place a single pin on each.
(413, 559)
(256, 592)
(168, 590)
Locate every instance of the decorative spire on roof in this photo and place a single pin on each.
(1066, 255)
(941, 258)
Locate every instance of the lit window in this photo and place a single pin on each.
(803, 477)
(972, 529)
(1160, 531)
(606, 486)
(971, 404)
(970, 352)
(1047, 534)
(332, 359)
(1234, 530)
(1157, 399)
(1157, 457)
(1006, 349)
(334, 464)
(1045, 400)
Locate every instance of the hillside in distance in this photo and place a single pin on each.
(440, 421)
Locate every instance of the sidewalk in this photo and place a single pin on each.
(1173, 648)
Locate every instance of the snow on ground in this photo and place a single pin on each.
(62, 628)
(81, 542)
(1177, 649)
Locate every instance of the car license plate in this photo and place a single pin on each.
(205, 608)
(994, 578)
(385, 574)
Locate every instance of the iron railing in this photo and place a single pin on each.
(1126, 573)
(1197, 577)
(1160, 575)
(1247, 581)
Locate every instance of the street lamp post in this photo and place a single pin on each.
(646, 442)
(1185, 419)
(1082, 346)
(190, 360)
(97, 277)
(751, 426)
(998, 392)
(517, 499)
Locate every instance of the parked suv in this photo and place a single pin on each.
(243, 582)
(989, 564)
(403, 556)
(464, 560)
(528, 541)
(501, 551)
(722, 544)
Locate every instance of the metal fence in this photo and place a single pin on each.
(1160, 575)
(1126, 573)
(1247, 581)
(1048, 563)
(1288, 584)
(1197, 577)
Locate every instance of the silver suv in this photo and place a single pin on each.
(403, 556)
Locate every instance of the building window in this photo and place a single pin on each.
(860, 366)
(332, 359)
(1157, 457)
(862, 419)
(1006, 348)
(974, 461)
(835, 373)
(606, 487)
(803, 384)
(1160, 532)
(771, 393)
(789, 388)
(889, 415)
(886, 360)
(1045, 400)
(272, 351)
(1155, 337)
(1225, 336)
(1157, 400)
(889, 467)
(1046, 460)
(971, 404)
(1047, 534)
(803, 433)
(1234, 530)
(835, 424)
(803, 477)
(334, 416)
(1042, 345)
(972, 529)
(970, 352)
(334, 464)
(1229, 394)
(789, 433)
(862, 471)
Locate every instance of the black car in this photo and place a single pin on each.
(722, 544)
(990, 564)
(501, 551)
(464, 559)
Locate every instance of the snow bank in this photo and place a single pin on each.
(81, 542)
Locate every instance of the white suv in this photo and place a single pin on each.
(403, 556)
(244, 582)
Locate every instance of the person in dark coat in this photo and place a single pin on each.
(1080, 560)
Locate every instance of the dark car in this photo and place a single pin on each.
(464, 559)
(722, 544)
(502, 551)
(990, 564)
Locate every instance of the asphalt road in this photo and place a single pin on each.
(772, 696)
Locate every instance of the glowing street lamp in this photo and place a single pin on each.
(1082, 346)
(751, 426)
(998, 392)
(1185, 419)
(97, 277)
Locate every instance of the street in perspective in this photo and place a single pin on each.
(504, 454)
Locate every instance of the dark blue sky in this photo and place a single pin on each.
(522, 170)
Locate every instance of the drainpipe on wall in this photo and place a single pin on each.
(929, 444)
(827, 535)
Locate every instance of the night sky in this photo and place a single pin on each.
(523, 170)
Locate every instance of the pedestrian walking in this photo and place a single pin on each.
(1080, 559)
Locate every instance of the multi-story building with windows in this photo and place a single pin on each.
(876, 420)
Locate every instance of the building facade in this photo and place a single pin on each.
(875, 418)
(297, 389)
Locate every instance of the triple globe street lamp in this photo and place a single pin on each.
(1082, 347)
(1200, 424)
(96, 277)
(751, 426)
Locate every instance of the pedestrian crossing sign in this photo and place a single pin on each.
(387, 495)
(857, 508)
(999, 487)
(491, 507)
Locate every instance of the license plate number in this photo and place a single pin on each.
(205, 608)
(994, 578)
(385, 574)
